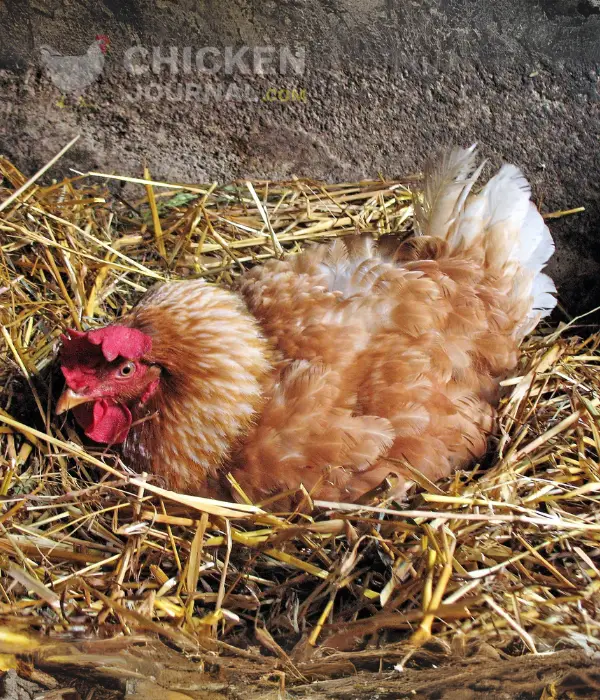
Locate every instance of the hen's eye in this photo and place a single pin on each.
(127, 370)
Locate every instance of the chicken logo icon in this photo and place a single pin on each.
(74, 73)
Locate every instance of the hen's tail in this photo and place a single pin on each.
(499, 225)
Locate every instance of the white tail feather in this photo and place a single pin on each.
(500, 224)
(447, 181)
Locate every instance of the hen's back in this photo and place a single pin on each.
(393, 352)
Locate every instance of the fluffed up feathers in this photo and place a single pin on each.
(333, 368)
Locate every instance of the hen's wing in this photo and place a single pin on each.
(375, 363)
(306, 435)
(321, 310)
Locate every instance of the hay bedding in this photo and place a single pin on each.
(503, 556)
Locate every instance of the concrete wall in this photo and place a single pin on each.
(385, 81)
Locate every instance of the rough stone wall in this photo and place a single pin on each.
(385, 82)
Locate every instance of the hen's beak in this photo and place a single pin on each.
(69, 399)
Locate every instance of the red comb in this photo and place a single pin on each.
(88, 347)
(121, 341)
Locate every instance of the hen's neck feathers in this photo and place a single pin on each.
(214, 361)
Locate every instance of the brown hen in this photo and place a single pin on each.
(334, 367)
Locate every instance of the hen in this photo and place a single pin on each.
(332, 368)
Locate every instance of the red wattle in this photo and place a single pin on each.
(104, 421)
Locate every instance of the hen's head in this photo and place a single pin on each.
(107, 371)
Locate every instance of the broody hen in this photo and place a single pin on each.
(331, 368)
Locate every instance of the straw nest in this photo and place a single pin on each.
(503, 554)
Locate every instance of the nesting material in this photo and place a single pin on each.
(505, 554)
